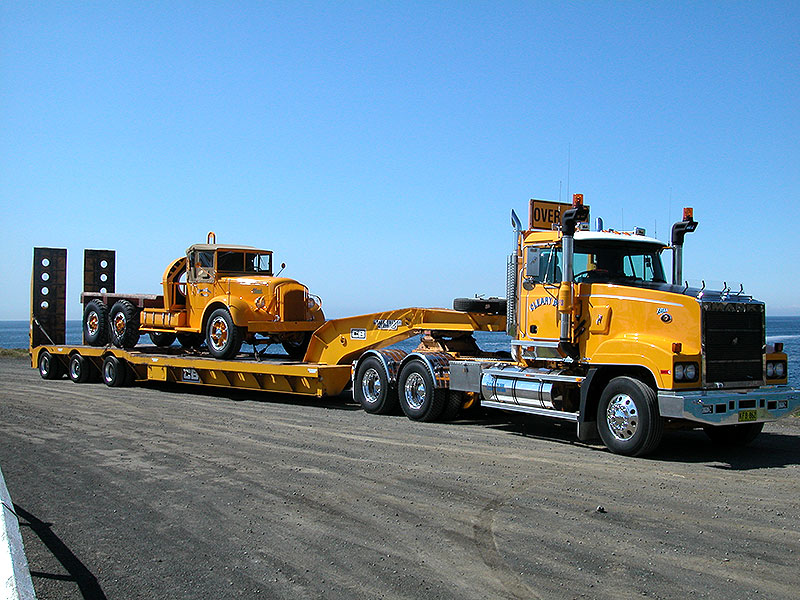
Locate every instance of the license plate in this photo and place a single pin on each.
(748, 415)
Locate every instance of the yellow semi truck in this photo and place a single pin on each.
(598, 337)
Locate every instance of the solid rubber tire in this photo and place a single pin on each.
(233, 342)
(650, 425)
(387, 403)
(434, 398)
(49, 366)
(99, 337)
(129, 336)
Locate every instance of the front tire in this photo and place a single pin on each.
(123, 319)
(95, 323)
(49, 366)
(628, 419)
(419, 398)
(223, 337)
(296, 344)
(734, 435)
(371, 388)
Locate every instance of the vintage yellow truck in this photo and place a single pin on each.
(219, 294)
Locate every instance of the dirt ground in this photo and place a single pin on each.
(174, 492)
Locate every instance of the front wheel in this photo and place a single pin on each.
(296, 344)
(419, 398)
(733, 435)
(223, 337)
(628, 419)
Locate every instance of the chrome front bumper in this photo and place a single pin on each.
(729, 407)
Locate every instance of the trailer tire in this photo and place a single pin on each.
(627, 417)
(372, 390)
(123, 320)
(419, 398)
(162, 339)
(49, 366)
(115, 372)
(190, 341)
(296, 344)
(95, 323)
(223, 338)
(491, 306)
(733, 435)
(80, 369)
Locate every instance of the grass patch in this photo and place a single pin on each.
(13, 353)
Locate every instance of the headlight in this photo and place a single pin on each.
(678, 372)
(770, 369)
(776, 369)
(686, 371)
(780, 369)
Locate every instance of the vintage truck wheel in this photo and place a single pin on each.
(49, 366)
(371, 388)
(123, 320)
(95, 323)
(296, 344)
(80, 369)
(419, 399)
(628, 419)
(190, 341)
(161, 339)
(223, 337)
(734, 435)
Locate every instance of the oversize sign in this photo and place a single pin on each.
(544, 214)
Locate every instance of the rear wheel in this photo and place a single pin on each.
(80, 369)
(223, 337)
(455, 400)
(123, 319)
(95, 323)
(161, 339)
(371, 388)
(628, 419)
(734, 435)
(419, 398)
(190, 341)
(115, 372)
(49, 366)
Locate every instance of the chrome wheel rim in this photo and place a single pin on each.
(108, 372)
(44, 364)
(75, 369)
(622, 417)
(371, 386)
(218, 333)
(414, 391)
(93, 323)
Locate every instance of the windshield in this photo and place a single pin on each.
(618, 263)
(230, 261)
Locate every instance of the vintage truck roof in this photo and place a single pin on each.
(214, 247)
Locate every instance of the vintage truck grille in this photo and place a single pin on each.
(733, 341)
(294, 305)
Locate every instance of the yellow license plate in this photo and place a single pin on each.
(748, 415)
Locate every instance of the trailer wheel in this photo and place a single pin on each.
(628, 419)
(734, 435)
(296, 344)
(161, 339)
(123, 319)
(80, 369)
(190, 340)
(95, 323)
(419, 398)
(115, 372)
(223, 338)
(49, 366)
(492, 306)
(371, 388)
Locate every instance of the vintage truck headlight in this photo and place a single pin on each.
(686, 372)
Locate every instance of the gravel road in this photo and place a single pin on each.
(173, 492)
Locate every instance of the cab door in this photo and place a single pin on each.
(200, 282)
(541, 277)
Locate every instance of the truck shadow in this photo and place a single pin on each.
(78, 573)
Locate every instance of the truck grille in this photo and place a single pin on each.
(733, 341)
(294, 305)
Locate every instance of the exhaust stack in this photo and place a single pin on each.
(679, 231)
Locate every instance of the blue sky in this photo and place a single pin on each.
(378, 147)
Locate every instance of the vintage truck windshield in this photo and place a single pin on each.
(230, 261)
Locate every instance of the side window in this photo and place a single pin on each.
(542, 265)
(201, 266)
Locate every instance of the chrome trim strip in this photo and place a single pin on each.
(556, 414)
(635, 299)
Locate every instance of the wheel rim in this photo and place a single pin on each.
(119, 323)
(75, 369)
(44, 364)
(218, 333)
(371, 386)
(93, 323)
(622, 417)
(414, 391)
(108, 371)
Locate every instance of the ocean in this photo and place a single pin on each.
(14, 334)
